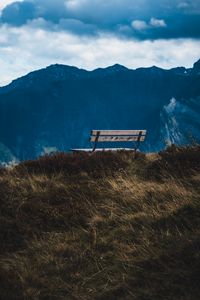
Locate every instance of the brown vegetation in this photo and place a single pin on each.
(103, 226)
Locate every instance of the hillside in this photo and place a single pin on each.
(57, 107)
(102, 227)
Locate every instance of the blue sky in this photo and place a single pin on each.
(97, 33)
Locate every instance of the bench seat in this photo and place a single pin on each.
(101, 149)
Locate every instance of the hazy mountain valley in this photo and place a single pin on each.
(57, 107)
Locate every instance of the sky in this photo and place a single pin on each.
(97, 33)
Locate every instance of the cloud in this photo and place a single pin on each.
(4, 3)
(183, 5)
(18, 13)
(143, 25)
(159, 19)
(77, 26)
(36, 48)
(139, 25)
(97, 33)
(157, 23)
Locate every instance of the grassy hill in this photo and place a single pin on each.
(103, 226)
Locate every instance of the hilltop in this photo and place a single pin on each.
(102, 227)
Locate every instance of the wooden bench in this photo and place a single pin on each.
(97, 136)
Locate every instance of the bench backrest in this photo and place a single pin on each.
(118, 135)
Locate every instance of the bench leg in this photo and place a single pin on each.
(138, 143)
(96, 141)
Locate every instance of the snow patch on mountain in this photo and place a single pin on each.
(179, 122)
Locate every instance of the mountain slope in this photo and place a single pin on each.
(56, 107)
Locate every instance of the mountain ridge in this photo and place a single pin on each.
(116, 66)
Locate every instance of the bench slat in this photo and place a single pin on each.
(117, 138)
(119, 132)
(101, 149)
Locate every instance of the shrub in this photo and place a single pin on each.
(175, 161)
(95, 164)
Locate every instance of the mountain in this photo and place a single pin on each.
(55, 108)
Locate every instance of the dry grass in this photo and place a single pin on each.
(102, 227)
